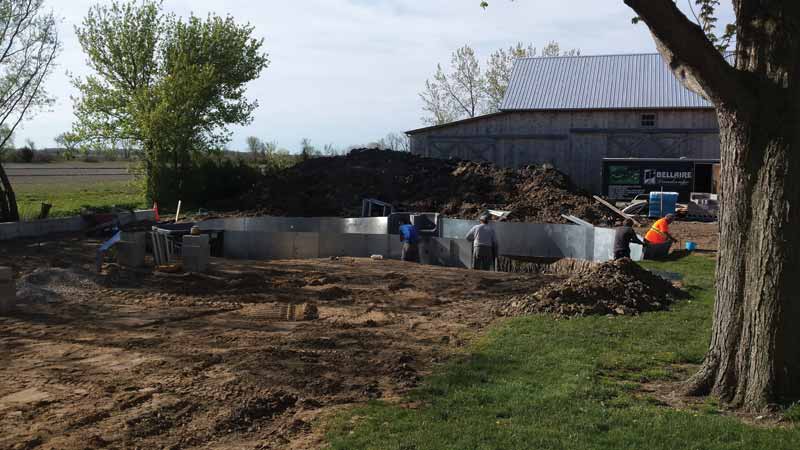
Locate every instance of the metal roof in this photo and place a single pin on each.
(639, 81)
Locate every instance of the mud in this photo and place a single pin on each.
(247, 356)
(335, 186)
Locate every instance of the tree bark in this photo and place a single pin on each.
(753, 359)
(754, 356)
(8, 200)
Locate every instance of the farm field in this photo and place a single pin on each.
(69, 186)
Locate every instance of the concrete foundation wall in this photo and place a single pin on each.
(38, 228)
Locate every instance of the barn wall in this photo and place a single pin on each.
(575, 142)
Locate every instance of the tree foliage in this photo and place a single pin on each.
(467, 90)
(170, 85)
(29, 45)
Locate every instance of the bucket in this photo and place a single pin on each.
(691, 246)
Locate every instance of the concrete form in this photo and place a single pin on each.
(278, 238)
(131, 249)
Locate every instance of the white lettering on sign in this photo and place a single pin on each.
(687, 175)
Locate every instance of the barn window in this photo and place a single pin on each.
(648, 120)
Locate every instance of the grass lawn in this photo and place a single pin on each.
(538, 383)
(68, 198)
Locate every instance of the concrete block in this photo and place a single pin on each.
(8, 296)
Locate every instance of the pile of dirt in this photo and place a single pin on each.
(619, 287)
(335, 186)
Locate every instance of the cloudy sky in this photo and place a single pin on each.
(347, 72)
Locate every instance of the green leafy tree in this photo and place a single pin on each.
(753, 360)
(170, 85)
(29, 45)
(69, 143)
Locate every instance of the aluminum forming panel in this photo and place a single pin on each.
(339, 244)
(456, 228)
(604, 246)
(235, 245)
(360, 225)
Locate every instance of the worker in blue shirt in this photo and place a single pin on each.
(409, 236)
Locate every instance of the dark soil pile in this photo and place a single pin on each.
(335, 186)
(616, 287)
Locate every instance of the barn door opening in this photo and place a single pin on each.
(704, 178)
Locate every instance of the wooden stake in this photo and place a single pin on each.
(614, 208)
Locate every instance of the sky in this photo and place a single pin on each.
(347, 72)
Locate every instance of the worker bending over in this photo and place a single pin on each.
(625, 236)
(658, 239)
(484, 244)
(409, 236)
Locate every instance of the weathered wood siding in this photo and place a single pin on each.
(575, 142)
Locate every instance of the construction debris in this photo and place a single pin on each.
(619, 287)
(336, 186)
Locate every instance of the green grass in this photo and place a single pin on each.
(68, 198)
(538, 383)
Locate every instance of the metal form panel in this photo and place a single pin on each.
(282, 224)
(360, 225)
(604, 246)
(339, 244)
(235, 245)
(456, 228)
(641, 81)
(378, 244)
(395, 248)
(305, 245)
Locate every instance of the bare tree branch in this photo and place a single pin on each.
(689, 53)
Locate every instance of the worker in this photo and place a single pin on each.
(658, 239)
(409, 236)
(484, 244)
(623, 237)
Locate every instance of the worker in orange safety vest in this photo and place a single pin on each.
(659, 232)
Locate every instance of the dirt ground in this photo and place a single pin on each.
(245, 357)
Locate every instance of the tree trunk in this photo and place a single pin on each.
(754, 357)
(9, 212)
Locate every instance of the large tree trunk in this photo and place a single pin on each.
(9, 211)
(754, 356)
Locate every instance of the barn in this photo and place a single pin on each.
(599, 119)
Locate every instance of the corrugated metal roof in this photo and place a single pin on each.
(641, 81)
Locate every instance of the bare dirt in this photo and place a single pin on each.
(335, 186)
(619, 287)
(247, 356)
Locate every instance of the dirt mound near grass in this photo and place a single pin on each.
(616, 287)
(335, 186)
